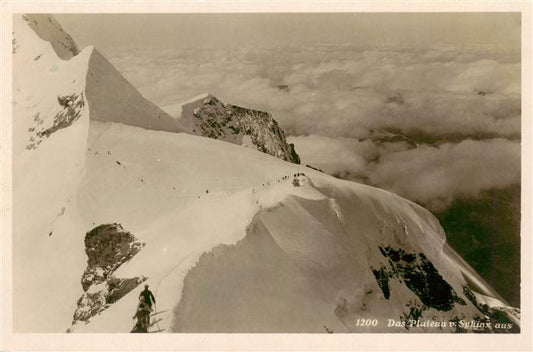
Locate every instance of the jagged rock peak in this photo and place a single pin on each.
(208, 116)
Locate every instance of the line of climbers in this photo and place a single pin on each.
(144, 309)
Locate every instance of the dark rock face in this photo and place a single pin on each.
(382, 277)
(71, 111)
(218, 120)
(419, 275)
(294, 156)
(107, 247)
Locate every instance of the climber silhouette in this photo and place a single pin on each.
(148, 296)
(143, 316)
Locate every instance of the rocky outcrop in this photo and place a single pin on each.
(107, 248)
(434, 293)
(419, 275)
(71, 108)
(494, 319)
(256, 129)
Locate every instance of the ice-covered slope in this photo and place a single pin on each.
(207, 116)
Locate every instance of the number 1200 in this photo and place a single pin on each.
(366, 322)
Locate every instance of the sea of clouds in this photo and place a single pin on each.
(463, 103)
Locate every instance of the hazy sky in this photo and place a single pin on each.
(107, 31)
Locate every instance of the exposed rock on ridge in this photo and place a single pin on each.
(107, 247)
(419, 275)
(256, 129)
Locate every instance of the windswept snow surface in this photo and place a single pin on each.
(180, 194)
(303, 267)
(185, 195)
(112, 98)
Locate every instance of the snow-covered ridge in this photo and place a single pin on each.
(112, 98)
(318, 230)
(48, 29)
(175, 110)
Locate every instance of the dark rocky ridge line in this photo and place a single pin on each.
(218, 120)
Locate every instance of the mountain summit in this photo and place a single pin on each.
(207, 116)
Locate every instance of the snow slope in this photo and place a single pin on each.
(53, 101)
(112, 98)
(175, 110)
(49, 141)
(233, 239)
(308, 250)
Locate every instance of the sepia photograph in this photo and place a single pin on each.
(266, 172)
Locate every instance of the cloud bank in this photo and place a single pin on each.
(436, 176)
(431, 175)
(465, 98)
